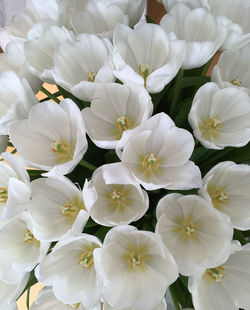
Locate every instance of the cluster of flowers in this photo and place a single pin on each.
(93, 247)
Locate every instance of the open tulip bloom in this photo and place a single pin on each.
(125, 186)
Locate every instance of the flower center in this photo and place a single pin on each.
(236, 82)
(135, 260)
(75, 306)
(119, 198)
(63, 150)
(144, 72)
(209, 128)
(216, 274)
(3, 194)
(218, 196)
(149, 164)
(186, 228)
(71, 209)
(29, 237)
(91, 76)
(86, 258)
(121, 124)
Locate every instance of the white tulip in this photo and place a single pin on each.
(115, 111)
(70, 270)
(52, 138)
(34, 12)
(201, 31)
(13, 59)
(20, 252)
(225, 286)
(226, 186)
(56, 207)
(160, 306)
(16, 100)
(192, 4)
(15, 192)
(220, 117)
(88, 65)
(115, 199)
(9, 292)
(151, 60)
(135, 267)
(134, 9)
(47, 300)
(233, 69)
(193, 232)
(98, 17)
(158, 155)
(236, 11)
(39, 52)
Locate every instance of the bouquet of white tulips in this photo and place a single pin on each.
(132, 179)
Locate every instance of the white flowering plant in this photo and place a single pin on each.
(131, 181)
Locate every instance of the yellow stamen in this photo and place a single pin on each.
(144, 72)
(215, 274)
(75, 306)
(210, 128)
(71, 209)
(119, 198)
(86, 258)
(186, 228)
(236, 82)
(29, 237)
(149, 164)
(136, 257)
(3, 194)
(91, 76)
(121, 124)
(63, 150)
(218, 196)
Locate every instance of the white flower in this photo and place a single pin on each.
(193, 232)
(115, 198)
(135, 267)
(9, 292)
(70, 270)
(55, 207)
(20, 252)
(39, 52)
(115, 111)
(98, 17)
(236, 11)
(34, 12)
(233, 68)
(226, 286)
(88, 65)
(52, 138)
(220, 117)
(201, 31)
(160, 306)
(16, 100)
(15, 190)
(13, 59)
(169, 4)
(47, 300)
(226, 186)
(134, 9)
(158, 155)
(150, 60)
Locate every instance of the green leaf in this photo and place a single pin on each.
(238, 235)
(80, 103)
(149, 20)
(194, 81)
(32, 280)
(101, 232)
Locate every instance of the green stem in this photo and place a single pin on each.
(85, 164)
(51, 96)
(28, 298)
(174, 299)
(177, 90)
